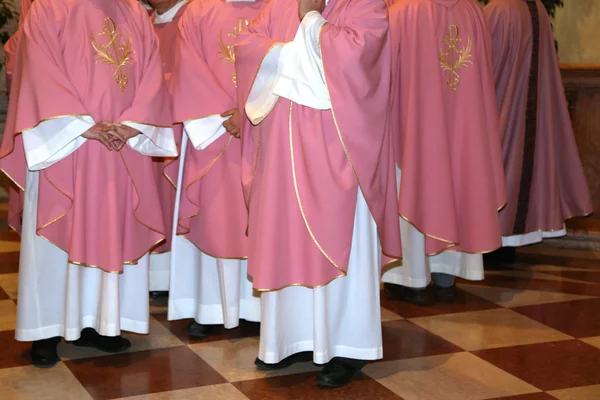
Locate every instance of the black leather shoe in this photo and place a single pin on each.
(158, 294)
(418, 297)
(304, 356)
(445, 293)
(338, 372)
(44, 354)
(108, 344)
(496, 259)
(198, 331)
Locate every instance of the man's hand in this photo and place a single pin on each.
(122, 133)
(306, 6)
(232, 125)
(101, 133)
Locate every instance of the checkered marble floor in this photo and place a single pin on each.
(531, 332)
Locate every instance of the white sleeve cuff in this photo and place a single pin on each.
(261, 99)
(302, 78)
(154, 141)
(204, 131)
(52, 140)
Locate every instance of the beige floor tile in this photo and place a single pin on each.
(10, 284)
(8, 315)
(594, 341)
(30, 383)
(460, 376)
(234, 359)
(580, 393)
(159, 337)
(387, 315)
(8, 246)
(217, 392)
(519, 297)
(489, 329)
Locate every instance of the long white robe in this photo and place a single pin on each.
(212, 291)
(341, 319)
(57, 298)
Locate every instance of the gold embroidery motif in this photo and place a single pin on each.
(454, 58)
(227, 51)
(113, 54)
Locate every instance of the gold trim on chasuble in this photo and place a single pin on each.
(454, 58)
(227, 52)
(113, 54)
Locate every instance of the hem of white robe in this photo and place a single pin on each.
(391, 276)
(322, 357)
(531, 237)
(212, 314)
(70, 334)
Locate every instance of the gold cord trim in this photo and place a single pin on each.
(340, 133)
(310, 232)
(51, 119)
(183, 235)
(196, 180)
(298, 285)
(11, 178)
(196, 118)
(145, 123)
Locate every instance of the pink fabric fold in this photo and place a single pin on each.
(302, 167)
(16, 196)
(445, 124)
(213, 212)
(558, 188)
(100, 207)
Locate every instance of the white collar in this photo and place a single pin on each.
(168, 15)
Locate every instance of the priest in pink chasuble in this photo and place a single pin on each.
(165, 18)
(209, 278)
(545, 182)
(447, 144)
(88, 111)
(317, 168)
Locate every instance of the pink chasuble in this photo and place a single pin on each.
(301, 167)
(16, 195)
(99, 206)
(167, 34)
(544, 176)
(445, 124)
(213, 213)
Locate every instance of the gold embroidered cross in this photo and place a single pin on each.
(113, 54)
(227, 51)
(454, 58)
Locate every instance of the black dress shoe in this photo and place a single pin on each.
(304, 356)
(44, 354)
(198, 331)
(158, 294)
(504, 255)
(108, 344)
(418, 297)
(445, 293)
(339, 372)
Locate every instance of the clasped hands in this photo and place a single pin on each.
(113, 136)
